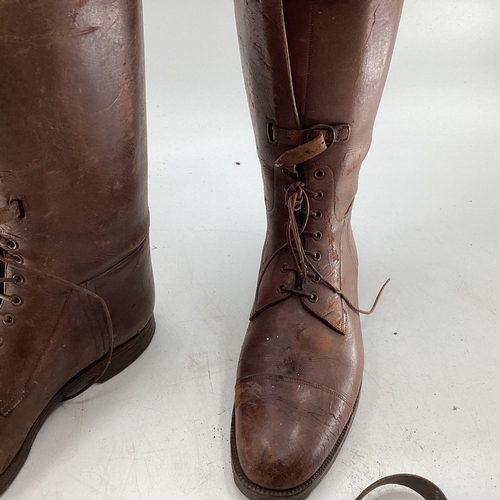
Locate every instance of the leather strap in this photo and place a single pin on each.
(425, 488)
(289, 137)
(304, 152)
(309, 142)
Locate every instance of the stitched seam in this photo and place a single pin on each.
(324, 388)
(84, 284)
(306, 94)
(47, 341)
(92, 325)
(11, 405)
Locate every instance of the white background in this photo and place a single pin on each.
(427, 215)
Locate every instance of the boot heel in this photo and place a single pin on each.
(126, 354)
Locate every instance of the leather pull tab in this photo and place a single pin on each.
(303, 153)
(310, 142)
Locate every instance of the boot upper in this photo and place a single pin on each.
(310, 68)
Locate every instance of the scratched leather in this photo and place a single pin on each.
(73, 156)
(307, 63)
(72, 128)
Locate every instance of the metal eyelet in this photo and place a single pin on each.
(281, 288)
(12, 244)
(317, 235)
(15, 300)
(319, 174)
(18, 279)
(286, 188)
(330, 135)
(284, 171)
(284, 268)
(316, 278)
(318, 195)
(9, 320)
(17, 258)
(317, 256)
(313, 297)
(317, 215)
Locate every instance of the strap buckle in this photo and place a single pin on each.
(337, 133)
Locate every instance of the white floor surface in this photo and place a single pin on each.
(427, 215)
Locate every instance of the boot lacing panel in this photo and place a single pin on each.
(297, 200)
(13, 210)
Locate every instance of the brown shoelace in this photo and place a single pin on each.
(298, 205)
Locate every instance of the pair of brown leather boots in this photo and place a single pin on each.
(77, 287)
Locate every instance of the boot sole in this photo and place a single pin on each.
(300, 492)
(123, 356)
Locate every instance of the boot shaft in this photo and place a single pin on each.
(73, 133)
(310, 62)
(77, 287)
(314, 71)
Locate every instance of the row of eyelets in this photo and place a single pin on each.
(318, 214)
(318, 235)
(18, 280)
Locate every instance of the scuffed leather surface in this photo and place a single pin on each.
(297, 385)
(59, 330)
(128, 290)
(73, 152)
(307, 62)
(72, 129)
(73, 147)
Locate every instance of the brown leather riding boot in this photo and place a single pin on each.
(314, 71)
(77, 297)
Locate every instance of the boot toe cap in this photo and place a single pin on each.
(285, 429)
